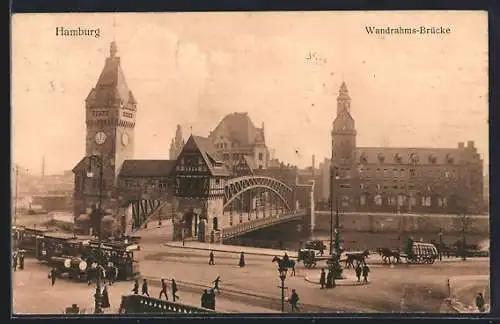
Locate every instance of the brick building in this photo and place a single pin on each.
(401, 179)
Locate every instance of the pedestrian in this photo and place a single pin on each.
(174, 290)
(216, 284)
(145, 290)
(21, 261)
(52, 276)
(211, 256)
(211, 304)
(480, 303)
(111, 274)
(322, 278)
(204, 299)
(105, 298)
(242, 260)
(365, 271)
(329, 277)
(163, 289)
(135, 290)
(358, 270)
(294, 301)
(321, 249)
(14, 262)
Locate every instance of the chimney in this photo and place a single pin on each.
(470, 144)
(460, 145)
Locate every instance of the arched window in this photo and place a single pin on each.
(377, 200)
(362, 200)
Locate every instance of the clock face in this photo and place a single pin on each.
(124, 139)
(100, 138)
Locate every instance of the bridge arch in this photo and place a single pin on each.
(235, 187)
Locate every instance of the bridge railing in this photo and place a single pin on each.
(256, 224)
(137, 304)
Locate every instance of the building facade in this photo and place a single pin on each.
(405, 179)
(236, 138)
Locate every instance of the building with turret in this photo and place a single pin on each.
(399, 179)
(240, 143)
(177, 144)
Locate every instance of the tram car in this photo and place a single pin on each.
(421, 253)
(24, 238)
(117, 253)
(62, 252)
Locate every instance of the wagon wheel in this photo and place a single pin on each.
(432, 260)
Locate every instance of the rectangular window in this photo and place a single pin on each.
(362, 200)
(261, 156)
(345, 186)
(412, 172)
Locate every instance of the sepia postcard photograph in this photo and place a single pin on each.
(250, 162)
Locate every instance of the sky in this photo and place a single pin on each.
(283, 68)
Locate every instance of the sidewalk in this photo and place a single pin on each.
(216, 247)
(463, 290)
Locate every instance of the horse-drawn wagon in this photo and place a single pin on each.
(310, 258)
(421, 253)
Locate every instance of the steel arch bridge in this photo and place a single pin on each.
(235, 187)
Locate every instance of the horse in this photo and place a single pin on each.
(288, 264)
(387, 254)
(359, 257)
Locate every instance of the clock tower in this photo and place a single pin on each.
(344, 153)
(344, 130)
(110, 112)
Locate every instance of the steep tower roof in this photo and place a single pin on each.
(343, 100)
(178, 135)
(111, 87)
(239, 128)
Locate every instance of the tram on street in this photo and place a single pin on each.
(114, 253)
(24, 238)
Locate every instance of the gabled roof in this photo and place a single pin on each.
(82, 164)
(208, 153)
(146, 168)
(111, 85)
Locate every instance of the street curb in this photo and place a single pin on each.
(225, 251)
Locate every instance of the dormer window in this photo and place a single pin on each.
(413, 158)
(432, 158)
(381, 157)
(363, 158)
(398, 158)
(450, 159)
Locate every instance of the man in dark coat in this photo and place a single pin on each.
(174, 290)
(322, 278)
(135, 290)
(204, 299)
(105, 298)
(329, 278)
(480, 303)
(52, 276)
(14, 261)
(21, 261)
(286, 259)
(242, 260)
(211, 299)
(163, 289)
(366, 270)
(294, 300)
(211, 258)
(112, 272)
(358, 270)
(145, 290)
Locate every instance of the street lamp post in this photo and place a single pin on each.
(282, 273)
(98, 292)
(440, 244)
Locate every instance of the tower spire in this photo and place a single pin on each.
(113, 49)
(343, 99)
